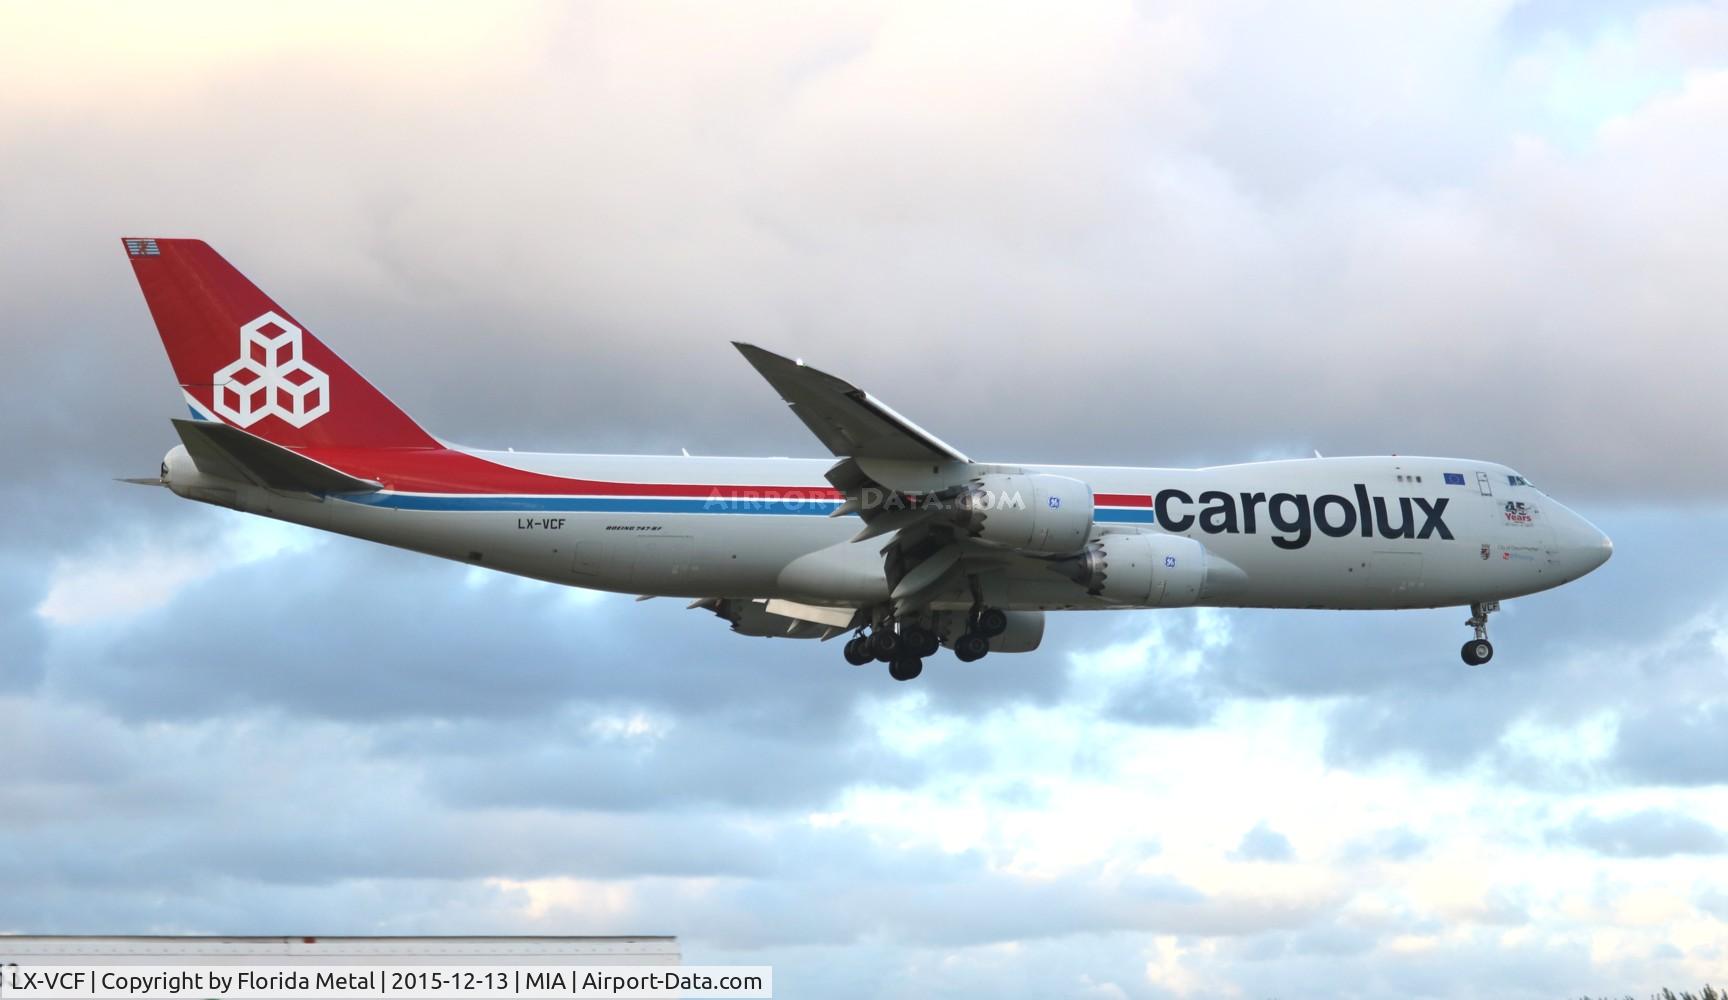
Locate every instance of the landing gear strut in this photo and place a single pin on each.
(1479, 650)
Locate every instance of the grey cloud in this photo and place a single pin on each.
(697, 763)
(360, 632)
(1158, 700)
(1392, 686)
(1676, 744)
(821, 213)
(22, 636)
(1445, 731)
(1649, 833)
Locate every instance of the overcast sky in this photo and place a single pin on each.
(1124, 234)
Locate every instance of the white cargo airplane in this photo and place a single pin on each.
(901, 539)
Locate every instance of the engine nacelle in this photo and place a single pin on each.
(1024, 632)
(1035, 513)
(1150, 570)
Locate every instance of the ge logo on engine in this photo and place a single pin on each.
(270, 378)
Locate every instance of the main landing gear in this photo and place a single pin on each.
(905, 645)
(903, 649)
(1479, 650)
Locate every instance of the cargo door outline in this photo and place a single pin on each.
(599, 559)
(1394, 574)
(663, 562)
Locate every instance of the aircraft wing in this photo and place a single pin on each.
(851, 422)
(899, 479)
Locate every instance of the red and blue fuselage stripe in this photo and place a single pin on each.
(754, 502)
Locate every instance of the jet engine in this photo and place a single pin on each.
(1153, 569)
(1034, 513)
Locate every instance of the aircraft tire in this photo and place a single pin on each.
(992, 622)
(905, 667)
(857, 651)
(1477, 652)
(920, 641)
(884, 643)
(970, 647)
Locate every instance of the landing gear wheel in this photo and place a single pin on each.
(992, 622)
(971, 646)
(884, 643)
(905, 667)
(1479, 650)
(857, 651)
(920, 641)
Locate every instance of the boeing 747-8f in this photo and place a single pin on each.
(900, 539)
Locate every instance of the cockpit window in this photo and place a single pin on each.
(1516, 480)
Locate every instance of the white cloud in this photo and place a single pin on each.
(136, 573)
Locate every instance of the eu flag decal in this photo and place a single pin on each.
(1454, 479)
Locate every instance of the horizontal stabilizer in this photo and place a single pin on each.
(231, 453)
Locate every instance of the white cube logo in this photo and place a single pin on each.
(270, 378)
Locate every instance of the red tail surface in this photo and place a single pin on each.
(243, 359)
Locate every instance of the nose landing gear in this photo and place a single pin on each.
(1479, 650)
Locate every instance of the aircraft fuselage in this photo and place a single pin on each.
(1341, 533)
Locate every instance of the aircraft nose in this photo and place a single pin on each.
(1604, 548)
(1584, 547)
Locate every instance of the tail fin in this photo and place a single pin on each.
(243, 360)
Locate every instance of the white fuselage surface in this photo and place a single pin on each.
(1492, 540)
